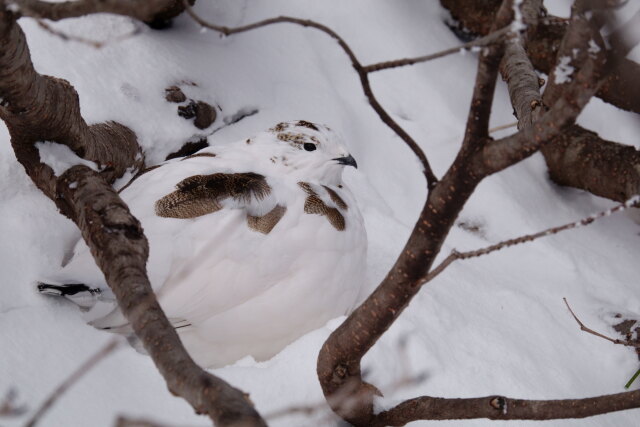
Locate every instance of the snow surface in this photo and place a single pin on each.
(563, 70)
(60, 157)
(495, 324)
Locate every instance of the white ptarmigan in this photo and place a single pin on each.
(252, 244)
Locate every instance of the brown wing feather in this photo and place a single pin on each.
(265, 223)
(335, 198)
(201, 194)
(314, 205)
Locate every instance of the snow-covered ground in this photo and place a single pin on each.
(496, 324)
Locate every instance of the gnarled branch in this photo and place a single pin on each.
(339, 359)
(41, 108)
(619, 88)
(120, 248)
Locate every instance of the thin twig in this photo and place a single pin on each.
(124, 421)
(362, 73)
(344, 397)
(82, 370)
(584, 328)
(481, 42)
(502, 127)
(97, 44)
(455, 255)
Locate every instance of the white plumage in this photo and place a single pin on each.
(252, 244)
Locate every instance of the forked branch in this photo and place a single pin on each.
(339, 359)
(363, 74)
(584, 328)
(93, 204)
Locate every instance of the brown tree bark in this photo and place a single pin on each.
(339, 360)
(42, 108)
(338, 365)
(620, 88)
(504, 408)
(580, 158)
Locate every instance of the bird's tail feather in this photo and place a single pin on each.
(100, 309)
(78, 293)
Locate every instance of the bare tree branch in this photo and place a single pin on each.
(41, 108)
(455, 255)
(346, 398)
(581, 159)
(340, 356)
(362, 73)
(505, 408)
(30, 109)
(598, 334)
(97, 210)
(517, 71)
(576, 157)
(123, 421)
(566, 95)
(120, 249)
(75, 376)
(620, 87)
(339, 359)
(495, 37)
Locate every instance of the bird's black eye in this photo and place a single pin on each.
(309, 146)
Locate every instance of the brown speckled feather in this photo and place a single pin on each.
(279, 127)
(306, 124)
(201, 194)
(335, 198)
(265, 223)
(314, 205)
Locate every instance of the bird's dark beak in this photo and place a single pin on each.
(347, 161)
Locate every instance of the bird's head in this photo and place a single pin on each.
(305, 151)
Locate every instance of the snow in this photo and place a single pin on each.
(13, 7)
(517, 25)
(60, 157)
(490, 325)
(564, 70)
